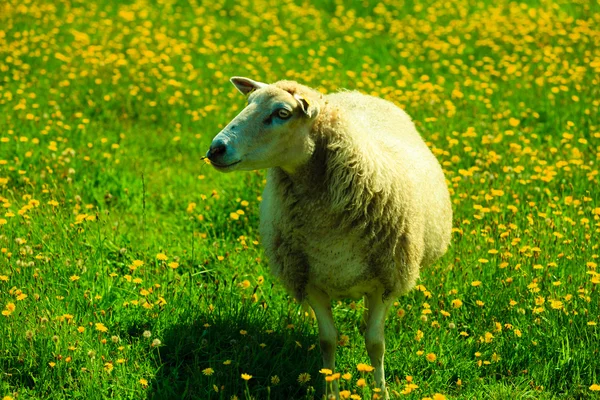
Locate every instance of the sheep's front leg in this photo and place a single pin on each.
(321, 304)
(374, 337)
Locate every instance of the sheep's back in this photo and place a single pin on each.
(388, 137)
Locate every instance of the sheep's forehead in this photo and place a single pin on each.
(269, 96)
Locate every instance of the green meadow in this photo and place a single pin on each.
(130, 269)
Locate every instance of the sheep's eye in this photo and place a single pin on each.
(283, 113)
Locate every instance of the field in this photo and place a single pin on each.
(130, 269)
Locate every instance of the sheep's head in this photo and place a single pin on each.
(271, 131)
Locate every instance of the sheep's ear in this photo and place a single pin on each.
(246, 85)
(308, 109)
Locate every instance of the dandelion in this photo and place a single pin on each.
(325, 371)
(431, 357)
(595, 388)
(101, 327)
(173, 265)
(147, 334)
(364, 368)
(361, 383)
(275, 380)
(303, 378)
(208, 371)
(456, 303)
(246, 377)
(162, 257)
(143, 381)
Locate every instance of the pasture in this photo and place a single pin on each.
(130, 269)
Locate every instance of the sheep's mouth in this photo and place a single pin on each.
(224, 166)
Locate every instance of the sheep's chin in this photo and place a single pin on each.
(227, 168)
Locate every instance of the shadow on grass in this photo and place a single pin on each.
(274, 347)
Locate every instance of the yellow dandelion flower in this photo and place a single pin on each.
(361, 382)
(162, 257)
(333, 377)
(595, 388)
(208, 371)
(303, 378)
(345, 394)
(246, 377)
(347, 376)
(364, 368)
(456, 303)
(325, 371)
(101, 327)
(173, 265)
(74, 278)
(143, 381)
(431, 357)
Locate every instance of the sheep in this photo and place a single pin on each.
(354, 205)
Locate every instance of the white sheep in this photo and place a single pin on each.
(355, 202)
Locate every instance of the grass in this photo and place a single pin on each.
(130, 269)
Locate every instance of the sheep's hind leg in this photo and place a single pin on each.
(321, 305)
(374, 337)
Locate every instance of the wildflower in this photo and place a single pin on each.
(303, 378)
(431, 357)
(275, 380)
(156, 343)
(208, 371)
(143, 381)
(161, 257)
(74, 278)
(595, 388)
(347, 376)
(345, 394)
(333, 377)
(108, 367)
(245, 284)
(246, 377)
(456, 303)
(364, 368)
(101, 327)
(147, 334)
(9, 309)
(361, 382)
(173, 265)
(325, 371)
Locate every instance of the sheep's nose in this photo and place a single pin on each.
(217, 149)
